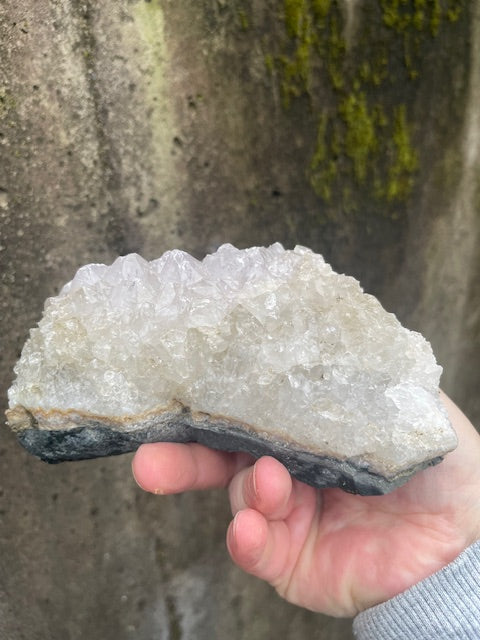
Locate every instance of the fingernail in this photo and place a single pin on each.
(159, 492)
(254, 481)
(235, 525)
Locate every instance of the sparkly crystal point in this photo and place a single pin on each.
(262, 349)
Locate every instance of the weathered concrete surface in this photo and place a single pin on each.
(142, 126)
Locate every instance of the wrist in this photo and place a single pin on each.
(446, 604)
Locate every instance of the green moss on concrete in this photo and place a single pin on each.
(323, 166)
(334, 52)
(295, 68)
(360, 132)
(269, 63)
(366, 147)
(243, 20)
(418, 15)
(454, 10)
(415, 21)
(296, 12)
(315, 33)
(7, 102)
(365, 142)
(405, 158)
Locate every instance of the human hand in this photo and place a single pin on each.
(327, 550)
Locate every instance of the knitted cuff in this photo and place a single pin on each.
(445, 605)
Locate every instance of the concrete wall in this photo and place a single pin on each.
(126, 125)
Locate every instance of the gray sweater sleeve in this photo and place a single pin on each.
(444, 606)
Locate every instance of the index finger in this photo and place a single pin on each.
(167, 467)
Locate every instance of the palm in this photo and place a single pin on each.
(352, 552)
(328, 550)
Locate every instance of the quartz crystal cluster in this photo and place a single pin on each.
(270, 338)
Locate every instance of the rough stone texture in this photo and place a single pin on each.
(56, 436)
(142, 126)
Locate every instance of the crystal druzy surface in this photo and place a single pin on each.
(270, 338)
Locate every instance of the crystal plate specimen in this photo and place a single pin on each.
(263, 350)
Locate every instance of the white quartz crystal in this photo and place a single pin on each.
(269, 337)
